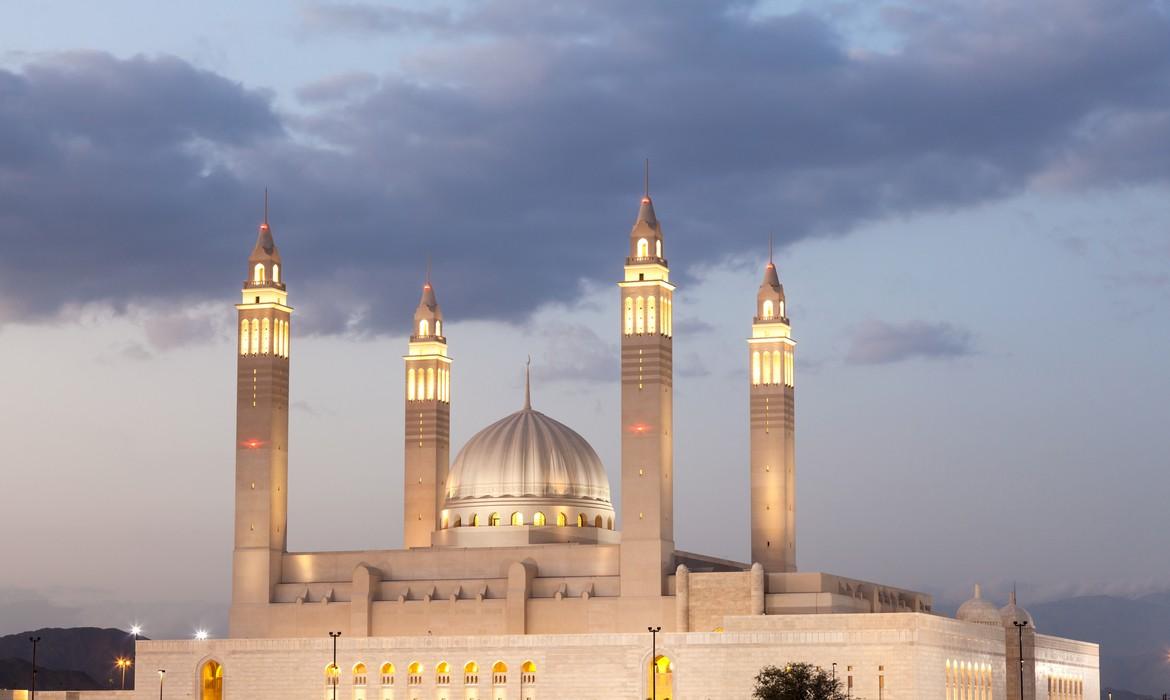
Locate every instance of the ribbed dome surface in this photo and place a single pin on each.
(527, 454)
(979, 609)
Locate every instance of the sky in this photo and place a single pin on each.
(970, 203)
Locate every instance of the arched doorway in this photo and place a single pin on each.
(660, 680)
(211, 681)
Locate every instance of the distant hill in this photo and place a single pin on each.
(17, 673)
(1134, 635)
(88, 650)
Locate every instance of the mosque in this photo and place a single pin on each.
(521, 579)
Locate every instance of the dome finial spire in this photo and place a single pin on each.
(265, 206)
(527, 385)
(646, 179)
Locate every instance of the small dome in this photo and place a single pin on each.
(527, 454)
(1012, 613)
(980, 610)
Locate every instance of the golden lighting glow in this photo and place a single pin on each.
(211, 681)
(257, 273)
(538, 519)
(517, 518)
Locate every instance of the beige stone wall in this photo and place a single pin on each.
(910, 650)
(715, 595)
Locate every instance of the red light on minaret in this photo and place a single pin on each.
(252, 444)
(639, 428)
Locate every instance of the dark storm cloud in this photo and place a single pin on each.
(880, 342)
(508, 147)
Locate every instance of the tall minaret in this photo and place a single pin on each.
(647, 524)
(771, 353)
(261, 430)
(428, 422)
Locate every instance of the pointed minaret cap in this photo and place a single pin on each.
(265, 248)
(428, 298)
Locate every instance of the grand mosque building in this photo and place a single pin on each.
(520, 578)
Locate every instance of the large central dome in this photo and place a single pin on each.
(526, 479)
(527, 454)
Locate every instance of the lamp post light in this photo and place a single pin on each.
(162, 676)
(122, 663)
(654, 660)
(35, 641)
(834, 673)
(334, 673)
(1020, 629)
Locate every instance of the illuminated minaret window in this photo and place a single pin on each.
(262, 386)
(772, 452)
(645, 325)
(428, 421)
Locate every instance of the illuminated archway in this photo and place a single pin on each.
(517, 518)
(660, 679)
(538, 519)
(211, 681)
(561, 520)
(494, 520)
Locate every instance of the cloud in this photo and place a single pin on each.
(337, 88)
(574, 352)
(879, 342)
(508, 147)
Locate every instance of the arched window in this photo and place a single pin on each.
(767, 364)
(443, 673)
(387, 673)
(609, 523)
(640, 315)
(781, 308)
(475, 520)
(629, 316)
(561, 520)
(458, 521)
(414, 673)
(768, 309)
(494, 520)
(790, 378)
(597, 522)
(276, 273)
(258, 272)
(669, 317)
(661, 677)
(211, 681)
(359, 674)
(410, 384)
(332, 675)
(500, 673)
(286, 338)
(424, 327)
(443, 523)
(438, 327)
(244, 337)
(471, 673)
(538, 519)
(277, 337)
(580, 520)
(658, 247)
(265, 335)
(756, 367)
(528, 669)
(517, 518)
(255, 336)
(643, 248)
(777, 363)
(430, 382)
(650, 320)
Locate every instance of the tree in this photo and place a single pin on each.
(798, 681)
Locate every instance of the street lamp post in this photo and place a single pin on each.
(834, 674)
(1020, 629)
(334, 674)
(35, 641)
(122, 663)
(162, 676)
(654, 660)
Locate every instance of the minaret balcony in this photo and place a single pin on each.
(647, 260)
(266, 284)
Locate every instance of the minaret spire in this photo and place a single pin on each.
(266, 207)
(646, 179)
(771, 243)
(528, 384)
